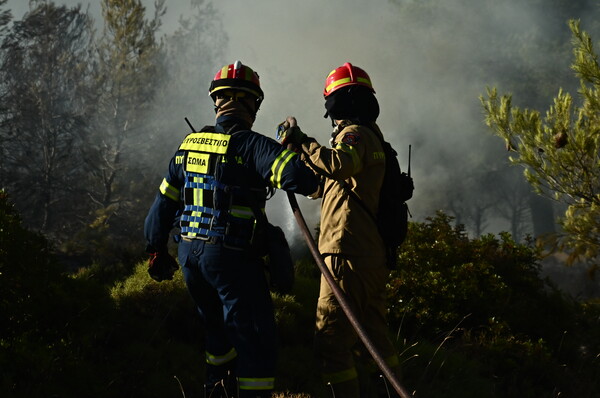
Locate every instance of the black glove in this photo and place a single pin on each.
(162, 266)
(288, 132)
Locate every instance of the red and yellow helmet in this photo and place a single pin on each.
(236, 76)
(346, 75)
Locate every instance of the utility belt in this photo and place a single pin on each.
(268, 240)
(243, 238)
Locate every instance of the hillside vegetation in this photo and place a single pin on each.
(471, 318)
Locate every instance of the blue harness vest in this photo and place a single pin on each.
(217, 204)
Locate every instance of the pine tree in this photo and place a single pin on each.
(129, 67)
(560, 151)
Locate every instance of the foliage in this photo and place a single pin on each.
(560, 151)
(492, 315)
(81, 115)
(160, 319)
(74, 336)
(294, 314)
(44, 75)
(201, 36)
(472, 317)
(112, 331)
(48, 319)
(128, 67)
(5, 17)
(458, 274)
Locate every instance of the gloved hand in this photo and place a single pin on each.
(162, 266)
(288, 132)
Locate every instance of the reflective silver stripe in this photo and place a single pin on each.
(220, 359)
(261, 383)
(169, 190)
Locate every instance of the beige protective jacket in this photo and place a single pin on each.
(356, 156)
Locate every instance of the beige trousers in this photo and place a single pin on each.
(337, 345)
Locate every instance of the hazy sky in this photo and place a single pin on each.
(423, 73)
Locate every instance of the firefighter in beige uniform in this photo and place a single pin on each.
(349, 240)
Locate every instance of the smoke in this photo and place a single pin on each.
(429, 62)
(428, 66)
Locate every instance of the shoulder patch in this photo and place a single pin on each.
(350, 138)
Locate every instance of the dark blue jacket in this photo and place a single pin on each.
(260, 162)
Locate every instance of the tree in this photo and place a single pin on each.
(5, 18)
(199, 37)
(129, 54)
(192, 53)
(44, 68)
(560, 151)
(468, 211)
(512, 201)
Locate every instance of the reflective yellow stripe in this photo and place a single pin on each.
(352, 152)
(340, 377)
(220, 359)
(263, 383)
(206, 142)
(241, 212)
(337, 83)
(224, 71)
(169, 190)
(278, 166)
(249, 73)
(198, 194)
(364, 80)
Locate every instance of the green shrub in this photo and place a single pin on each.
(48, 319)
(483, 299)
(472, 318)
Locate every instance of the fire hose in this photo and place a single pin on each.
(342, 300)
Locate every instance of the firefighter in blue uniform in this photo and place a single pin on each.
(217, 183)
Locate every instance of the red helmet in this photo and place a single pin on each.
(236, 76)
(346, 75)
